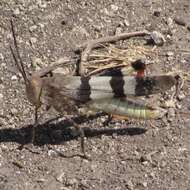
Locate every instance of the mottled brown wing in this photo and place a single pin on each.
(56, 95)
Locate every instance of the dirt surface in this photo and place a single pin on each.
(139, 156)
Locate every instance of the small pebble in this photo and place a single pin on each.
(180, 21)
(1, 97)
(144, 184)
(157, 12)
(97, 28)
(41, 4)
(2, 56)
(130, 185)
(33, 27)
(126, 22)
(14, 78)
(61, 177)
(72, 181)
(114, 7)
(179, 106)
(118, 30)
(33, 40)
(41, 25)
(84, 183)
(163, 164)
(182, 149)
(41, 180)
(152, 175)
(170, 58)
(32, 7)
(2, 121)
(157, 38)
(52, 153)
(93, 167)
(181, 96)
(16, 11)
(3, 64)
(14, 111)
(170, 53)
(170, 22)
(169, 104)
(147, 3)
(63, 22)
(146, 158)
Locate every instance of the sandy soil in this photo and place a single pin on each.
(139, 156)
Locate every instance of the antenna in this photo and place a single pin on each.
(19, 63)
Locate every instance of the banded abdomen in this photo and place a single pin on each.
(126, 108)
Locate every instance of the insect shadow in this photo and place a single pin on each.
(54, 132)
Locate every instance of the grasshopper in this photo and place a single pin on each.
(107, 93)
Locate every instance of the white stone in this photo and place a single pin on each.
(114, 7)
(16, 11)
(33, 40)
(14, 78)
(32, 28)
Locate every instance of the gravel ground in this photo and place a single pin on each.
(143, 155)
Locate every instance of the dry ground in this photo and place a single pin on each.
(138, 157)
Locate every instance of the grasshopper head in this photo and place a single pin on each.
(33, 83)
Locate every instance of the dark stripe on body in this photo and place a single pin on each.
(145, 86)
(153, 85)
(112, 72)
(104, 87)
(84, 90)
(117, 85)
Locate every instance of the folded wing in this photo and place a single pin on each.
(84, 89)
